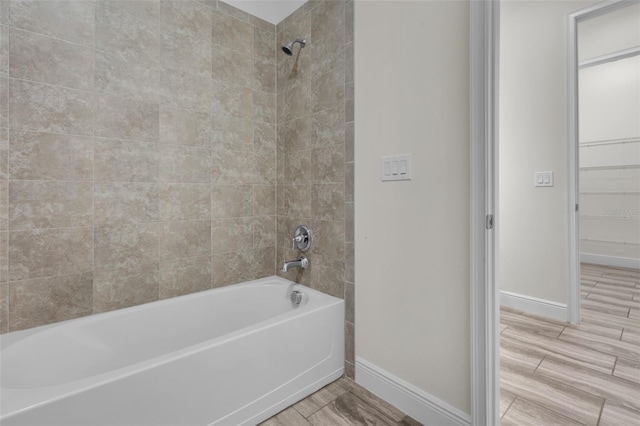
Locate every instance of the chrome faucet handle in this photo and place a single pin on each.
(302, 238)
(298, 239)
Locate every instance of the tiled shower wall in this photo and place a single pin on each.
(137, 154)
(315, 149)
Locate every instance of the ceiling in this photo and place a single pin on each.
(272, 11)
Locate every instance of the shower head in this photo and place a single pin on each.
(288, 48)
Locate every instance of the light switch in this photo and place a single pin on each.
(396, 167)
(543, 179)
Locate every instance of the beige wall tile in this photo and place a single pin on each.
(329, 164)
(48, 156)
(349, 141)
(231, 201)
(262, 24)
(298, 167)
(232, 33)
(349, 226)
(329, 276)
(264, 231)
(328, 90)
(328, 17)
(349, 193)
(4, 204)
(232, 234)
(182, 52)
(348, 21)
(48, 60)
(127, 26)
(232, 167)
(233, 11)
(4, 256)
(329, 238)
(130, 161)
(328, 127)
(125, 286)
(4, 307)
(128, 74)
(122, 202)
(327, 201)
(232, 67)
(297, 200)
(186, 18)
(349, 301)
(180, 126)
(264, 48)
(46, 204)
(184, 276)
(349, 262)
(264, 260)
(47, 300)
(327, 53)
(348, 63)
(349, 342)
(264, 200)
(184, 164)
(295, 70)
(232, 268)
(185, 239)
(127, 119)
(50, 252)
(232, 100)
(185, 201)
(264, 76)
(4, 101)
(4, 50)
(264, 107)
(4, 153)
(232, 133)
(296, 103)
(70, 20)
(127, 247)
(4, 12)
(45, 108)
(295, 135)
(186, 88)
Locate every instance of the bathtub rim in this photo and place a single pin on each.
(15, 401)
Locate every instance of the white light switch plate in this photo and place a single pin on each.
(543, 179)
(396, 167)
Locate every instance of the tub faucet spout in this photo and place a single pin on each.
(301, 263)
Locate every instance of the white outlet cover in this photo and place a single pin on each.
(396, 167)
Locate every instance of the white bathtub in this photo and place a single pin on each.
(228, 356)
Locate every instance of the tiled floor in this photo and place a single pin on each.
(558, 374)
(342, 402)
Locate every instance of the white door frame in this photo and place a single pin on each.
(485, 302)
(573, 167)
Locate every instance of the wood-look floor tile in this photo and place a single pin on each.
(630, 337)
(601, 318)
(503, 327)
(628, 369)
(587, 283)
(634, 314)
(594, 382)
(552, 394)
(615, 288)
(596, 293)
(615, 300)
(506, 398)
(384, 407)
(617, 415)
(584, 294)
(601, 343)
(322, 397)
(288, 417)
(346, 410)
(607, 308)
(529, 324)
(565, 350)
(526, 356)
(524, 413)
(409, 421)
(600, 330)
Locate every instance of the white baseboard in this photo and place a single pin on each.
(534, 306)
(415, 402)
(621, 262)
